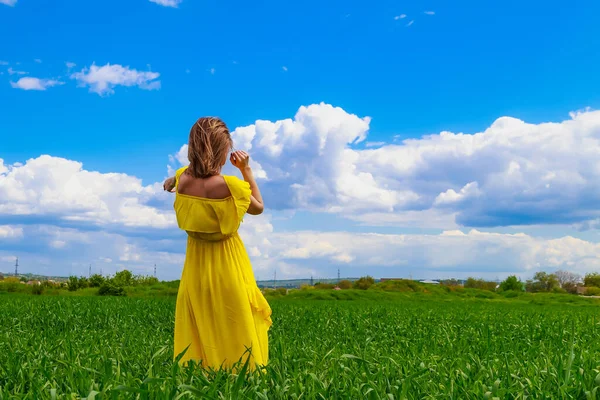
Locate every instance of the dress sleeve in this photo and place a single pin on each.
(177, 175)
(241, 192)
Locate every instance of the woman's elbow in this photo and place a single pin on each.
(256, 209)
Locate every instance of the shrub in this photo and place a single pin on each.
(364, 283)
(592, 291)
(37, 289)
(109, 289)
(320, 285)
(73, 283)
(473, 283)
(592, 280)
(96, 280)
(123, 278)
(509, 294)
(511, 283)
(345, 284)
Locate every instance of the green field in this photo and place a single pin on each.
(387, 347)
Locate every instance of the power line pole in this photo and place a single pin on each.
(155, 270)
(17, 267)
(275, 279)
(90, 271)
(311, 280)
(338, 275)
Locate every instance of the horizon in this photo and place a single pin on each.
(388, 140)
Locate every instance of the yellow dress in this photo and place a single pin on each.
(220, 310)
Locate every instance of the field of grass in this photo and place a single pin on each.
(396, 347)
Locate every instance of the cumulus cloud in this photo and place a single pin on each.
(61, 189)
(30, 83)
(512, 173)
(102, 80)
(167, 3)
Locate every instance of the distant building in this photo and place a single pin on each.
(430, 282)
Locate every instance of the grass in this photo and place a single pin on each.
(380, 345)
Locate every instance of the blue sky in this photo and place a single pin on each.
(415, 69)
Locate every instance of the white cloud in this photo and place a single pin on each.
(429, 12)
(15, 72)
(37, 60)
(410, 23)
(401, 16)
(212, 71)
(102, 80)
(512, 173)
(167, 3)
(284, 68)
(30, 83)
(450, 253)
(61, 189)
(70, 64)
(10, 3)
(9, 232)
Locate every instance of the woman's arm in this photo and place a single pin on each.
(241, 160)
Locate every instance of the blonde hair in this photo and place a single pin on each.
(209, 143)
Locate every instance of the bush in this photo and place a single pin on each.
(364, 283)
(511, 283)
(96, 280)
(592, 280)
(109, 289)
(37, 289)
(473, 283)
(509, 294)
(592, 291)
(345, 284)
(320, 285)
(10, 284)
(73, 283)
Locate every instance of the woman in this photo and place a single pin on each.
(220, 314)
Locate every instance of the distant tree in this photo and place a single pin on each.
(73, 283)
(96, 280)
(345, 284)
(123, 278)
(566, 278)
(1, 277)
(23, 279)
(83, 282)
(592, 279)
(364, 283)
(511, 283)
(543, 282)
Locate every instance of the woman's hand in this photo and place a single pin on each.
(240, 159)
(169, 184)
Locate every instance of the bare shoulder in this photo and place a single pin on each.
(213, 187)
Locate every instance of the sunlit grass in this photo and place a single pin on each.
(105, 348)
